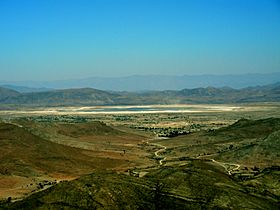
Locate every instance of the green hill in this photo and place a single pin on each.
(6, 93)
(261, 153)
(84, 129)
(244, 128)
(198, 185)
(25, 154)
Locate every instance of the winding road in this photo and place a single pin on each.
(163, 148)
(156, 153)
(223, 164)
(226, 166)
(229, 171)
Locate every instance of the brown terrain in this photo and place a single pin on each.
(26, 159)
(204, 160)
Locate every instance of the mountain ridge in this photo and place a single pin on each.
(155, 82)
(90, 96)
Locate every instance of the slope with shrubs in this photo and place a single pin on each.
(264, 146)
(197, 185)
(25, 154)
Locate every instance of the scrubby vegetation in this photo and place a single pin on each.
(79, 162)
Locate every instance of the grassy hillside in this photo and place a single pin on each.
(87, 129)
(35, 154)
(249, 143)
(25, 154)
(261, 153)
(234, 167)
(245, 128)
(197, 185)
(102, 140)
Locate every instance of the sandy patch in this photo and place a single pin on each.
(150, 109)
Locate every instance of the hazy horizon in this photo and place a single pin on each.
(150, 82)
(62, 40)
(143, 75)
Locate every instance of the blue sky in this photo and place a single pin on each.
(64, 39)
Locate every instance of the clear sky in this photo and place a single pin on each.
(63, 39)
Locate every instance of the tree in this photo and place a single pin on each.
(158, 192)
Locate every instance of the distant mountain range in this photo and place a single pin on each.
(24, 89)
(151, 82)
(89, 96)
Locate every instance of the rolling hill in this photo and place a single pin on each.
(264, 146)
(23, 89)
(197, 185)
(6, 93)
(245, 128)
(31, 158)
(25, 154)
(91, 97)
(186, 181)
(85, 96)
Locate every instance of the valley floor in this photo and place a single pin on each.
(172, 151)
